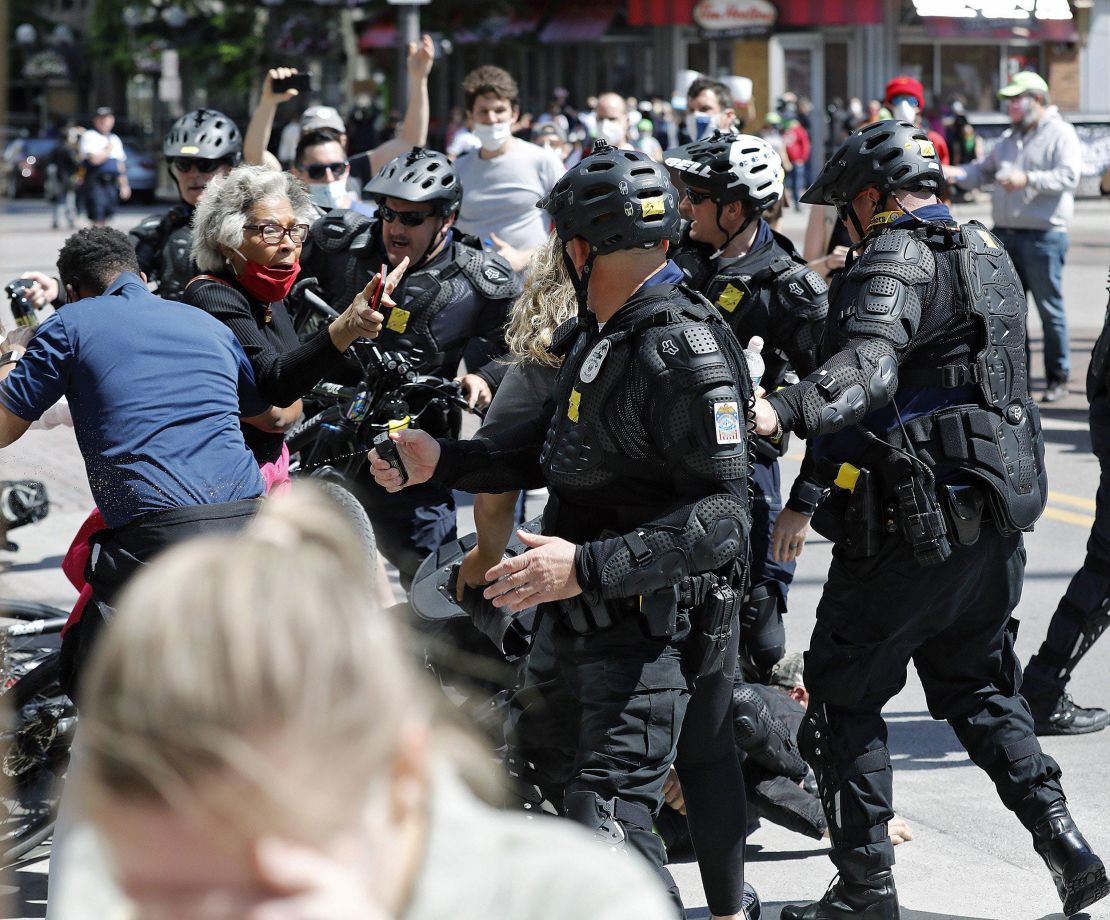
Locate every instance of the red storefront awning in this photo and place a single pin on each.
(794, 13)
(580, 21)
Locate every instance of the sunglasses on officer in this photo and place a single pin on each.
(408, 218)
(319, 171)
(185, 165)
(695, 196)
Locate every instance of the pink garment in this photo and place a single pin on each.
(276, 474)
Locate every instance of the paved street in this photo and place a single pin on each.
(970, 860)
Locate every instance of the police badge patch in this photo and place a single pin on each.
(592, 365)
(726, 422)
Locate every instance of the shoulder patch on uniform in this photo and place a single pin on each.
(727, 421)
(591, 367)
(668, 347)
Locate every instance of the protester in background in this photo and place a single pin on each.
(413, 131)
(905, 99)
(614, 127)
(796, 139)
(1035, 168)
(459, 136)
(708, 108)
(102, 156)
(507, 176)
(551, 136)
(62, 172)
(203, 770)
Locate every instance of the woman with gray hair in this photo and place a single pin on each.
(247, 236)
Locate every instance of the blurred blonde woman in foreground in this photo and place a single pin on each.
(548, 301)
(260, 748)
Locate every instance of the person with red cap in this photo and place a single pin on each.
(905, 98)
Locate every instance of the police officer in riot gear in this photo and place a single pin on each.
(762, 288)
(637, 571)
(453, 295)
(921, 425)
(1084, 611)
(201, 145)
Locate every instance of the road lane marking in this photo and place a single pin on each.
(1087, 504)
(1070, 517)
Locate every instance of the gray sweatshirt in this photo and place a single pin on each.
(1050, 155)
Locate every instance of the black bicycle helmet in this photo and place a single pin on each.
(885, 155)
(614, 199)
(419, 176)
(205, 134)
(731, 167)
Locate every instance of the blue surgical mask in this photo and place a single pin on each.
(701, 124)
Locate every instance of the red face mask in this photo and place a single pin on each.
(269, 283)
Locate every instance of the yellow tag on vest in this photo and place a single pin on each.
(398, 320)
(573, 404)
(991, 242)
(846, 477)
(730, 298)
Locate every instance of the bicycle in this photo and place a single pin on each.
(38, 726)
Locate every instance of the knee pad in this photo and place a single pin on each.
(763, 737)
(609, 819)
(762, 633)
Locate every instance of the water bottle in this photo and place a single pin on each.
(756, 365)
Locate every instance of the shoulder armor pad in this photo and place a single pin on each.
(148, 228)
(563, 336)
(335, 231)
(979, 239)
(687, 345)
(488, 272)
(899, 254)
(803, 291)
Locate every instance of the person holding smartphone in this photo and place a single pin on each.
(283, 84)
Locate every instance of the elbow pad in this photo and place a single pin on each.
(702, 538)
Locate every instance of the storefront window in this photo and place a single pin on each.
(917, 61)
(970, 73)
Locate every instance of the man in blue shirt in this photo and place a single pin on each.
(156, 390)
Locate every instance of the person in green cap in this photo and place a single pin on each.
(1035, 170)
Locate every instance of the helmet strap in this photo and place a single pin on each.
(432, 244)
(728, 239)
(580, 283)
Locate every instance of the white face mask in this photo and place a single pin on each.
(329, 194)
(701, 124)
(905, 111)
(493, 137)
(612, 131)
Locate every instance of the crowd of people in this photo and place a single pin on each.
(645, 342)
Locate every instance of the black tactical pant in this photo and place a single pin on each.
(953, 621)
(764, 635)
(1084, 610)
(603, 713)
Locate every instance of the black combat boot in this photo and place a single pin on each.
(1079, 874)
(1068, 718)
(876, 899)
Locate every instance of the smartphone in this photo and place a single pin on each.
(381, 289)
(301, 82)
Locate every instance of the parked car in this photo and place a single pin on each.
(24, 165)
(142, 173)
